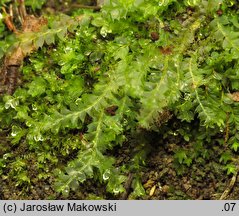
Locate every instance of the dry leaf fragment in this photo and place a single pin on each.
(234, 96)
(166, 50)
(149, 184)
(152, 190)
(165, 189)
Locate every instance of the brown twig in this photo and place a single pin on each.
(230, 186)
(8, 20)
(22, 9)
(127, 187)
(227, 130)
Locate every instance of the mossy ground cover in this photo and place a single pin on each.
(136, 101)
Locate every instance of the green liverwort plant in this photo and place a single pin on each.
(132, 66)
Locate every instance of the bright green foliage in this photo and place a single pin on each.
(231, 169)
(225, 157)
(58, 27)
(138, 188)
(235, 146)
(182, 157)
(35, 4)
(110, 60)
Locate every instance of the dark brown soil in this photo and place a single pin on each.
(162, 177)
